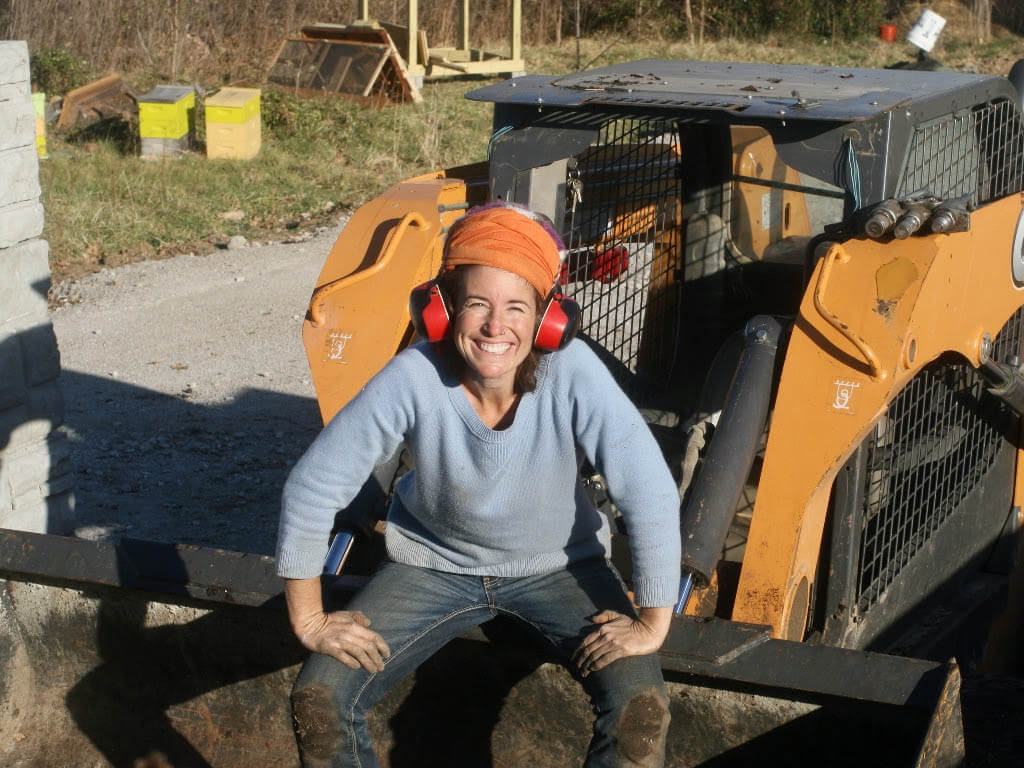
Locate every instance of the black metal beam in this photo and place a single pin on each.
(714, 651)
(717, 651)
(182, 570)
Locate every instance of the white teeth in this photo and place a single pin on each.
(494, 349)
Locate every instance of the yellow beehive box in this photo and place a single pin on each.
(167, 113)
(39, 105)
(233, 123)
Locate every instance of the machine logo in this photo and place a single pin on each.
(844, 395)
(336, 341)
(1016, 255)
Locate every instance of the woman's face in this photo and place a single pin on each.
(495, 318)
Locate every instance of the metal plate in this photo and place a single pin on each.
(754, 90)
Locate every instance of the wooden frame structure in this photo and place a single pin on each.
(359, 63)
(426, 63)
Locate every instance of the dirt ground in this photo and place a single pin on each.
(187, 392)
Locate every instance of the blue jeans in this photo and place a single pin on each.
(417, 611)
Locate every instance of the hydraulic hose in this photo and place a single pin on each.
(716, 490)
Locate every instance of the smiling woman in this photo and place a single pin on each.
(498, 408)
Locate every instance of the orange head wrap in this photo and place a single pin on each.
(509, 238)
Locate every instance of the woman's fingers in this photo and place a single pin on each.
(599, 658)
(345, 636)
(382, 647)
(346, 659)
(615, 637)
(365, 655)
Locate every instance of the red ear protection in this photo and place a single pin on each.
(428, 311)
(429, 314)
(558, 323)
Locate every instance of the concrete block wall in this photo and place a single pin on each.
(35, 468)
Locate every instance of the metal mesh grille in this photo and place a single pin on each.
(978, 153)
(623, 241)
(939, 437)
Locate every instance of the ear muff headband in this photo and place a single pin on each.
(558, 324)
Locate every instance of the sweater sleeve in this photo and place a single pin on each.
(367, 431)
(617, 441)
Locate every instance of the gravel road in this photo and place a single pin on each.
(187, 393)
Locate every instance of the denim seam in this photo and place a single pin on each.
(359, 694)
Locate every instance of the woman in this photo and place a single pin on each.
(493, 519)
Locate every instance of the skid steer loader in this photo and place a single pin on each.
(810, 280)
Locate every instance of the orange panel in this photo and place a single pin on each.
(883, 311)
(764, 215)
(358, 316)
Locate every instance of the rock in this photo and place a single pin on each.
(237, 242)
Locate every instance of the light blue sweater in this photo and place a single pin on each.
(486, 502)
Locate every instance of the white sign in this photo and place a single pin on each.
(336, 341)
(926, 30)
(845, 391)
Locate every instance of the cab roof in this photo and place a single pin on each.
(755, 91)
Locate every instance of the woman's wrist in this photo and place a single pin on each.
(305, 605)
(658, 619)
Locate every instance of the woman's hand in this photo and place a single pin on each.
(346, 636)
(619, 635)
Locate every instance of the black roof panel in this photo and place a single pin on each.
(757, 91)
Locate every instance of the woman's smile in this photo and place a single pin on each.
(494, 349)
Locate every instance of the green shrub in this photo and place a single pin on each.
(755, 19)
(287, 117)
(608, 15)
(57, 70)
(848, 19)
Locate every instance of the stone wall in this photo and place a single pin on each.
(35, 471)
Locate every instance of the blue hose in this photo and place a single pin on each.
(685, 588)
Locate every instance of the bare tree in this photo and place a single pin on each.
(981, 10)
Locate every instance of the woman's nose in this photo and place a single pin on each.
(493, 323)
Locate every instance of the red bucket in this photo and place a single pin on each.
(887, 32)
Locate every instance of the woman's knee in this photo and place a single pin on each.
(633, 712)
(642, 727)
(323, 701)
(317, 723)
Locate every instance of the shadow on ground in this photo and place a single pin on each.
(161, 467)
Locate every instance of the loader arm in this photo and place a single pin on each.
(872, 318)
(389, 245)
